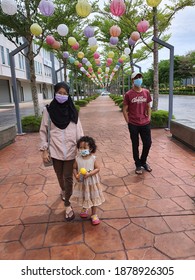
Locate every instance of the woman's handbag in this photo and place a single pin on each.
(48, 163)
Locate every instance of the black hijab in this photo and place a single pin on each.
(62, 114)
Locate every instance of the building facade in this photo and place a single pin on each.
(45, 65)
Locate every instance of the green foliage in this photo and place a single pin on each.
(31, 123)
(77, 107)
(81, 103)
(159, 119)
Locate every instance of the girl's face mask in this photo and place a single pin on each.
(61, 98)
(138, 82)
(84, 152)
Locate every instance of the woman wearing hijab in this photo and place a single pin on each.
(65, 130)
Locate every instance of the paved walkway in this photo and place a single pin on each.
(144, 217)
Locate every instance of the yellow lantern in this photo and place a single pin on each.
(36, 29)
(80, 55)
(83, 8)
(93, 48)
(72, 41)
(76, 62)
(110, 54)
(123, 57)
(153, 3)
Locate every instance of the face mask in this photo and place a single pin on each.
(138, 82)
(84, 153)
(61, 98)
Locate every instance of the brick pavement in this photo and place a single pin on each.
(144, 217)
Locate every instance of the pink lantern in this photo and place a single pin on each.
(115, 31)
(109, 61)
(90, 69)
(88, 31)
(97, 61)
(117, 7)
(50, 40)
(75, 47)
(46, 7)
(56, 45)
(143, 26)
(131, 42)
(80, 65)
(113, 40)
(96, 55)
(135, 36)
(120, 60)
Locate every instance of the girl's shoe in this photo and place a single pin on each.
(84, 213)
(95, 220)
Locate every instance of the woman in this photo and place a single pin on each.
(65, 130)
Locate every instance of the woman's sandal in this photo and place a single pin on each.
(147, 167)
(84, 213)
(69, 213)
(95, 220)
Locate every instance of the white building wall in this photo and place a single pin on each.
(43, 72)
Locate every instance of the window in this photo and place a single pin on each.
(8, 60)
(38, 68)
(2, 55)
(21, 61)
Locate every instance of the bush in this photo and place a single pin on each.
(159, 119)
(77, 107)
(31, 123)
(81, 103)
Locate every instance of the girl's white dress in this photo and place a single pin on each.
(89, 192)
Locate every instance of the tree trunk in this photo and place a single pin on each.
(33, 82)
(155, 60)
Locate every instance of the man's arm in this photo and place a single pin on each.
(125, 113)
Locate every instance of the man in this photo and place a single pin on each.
(137, 114)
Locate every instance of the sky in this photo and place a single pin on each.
(182, 38)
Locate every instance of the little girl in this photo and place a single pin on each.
(87, 191)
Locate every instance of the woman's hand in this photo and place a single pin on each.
(46, 156)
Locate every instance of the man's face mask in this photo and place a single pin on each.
(138, 82)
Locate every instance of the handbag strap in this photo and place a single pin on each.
(48, 130)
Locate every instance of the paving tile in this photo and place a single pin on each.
(12, 251)
(118, 255)
(111, 203)
(37, 254)
(35, 214)
(133, 201)
(154, 225)
(143, 191)
(146, 254)
(177, 223)
(175, 245)
(63, 234)
(135, 237)
(33, 236)
(164, 205)
(72, 252)
(102, 238)
(118, 191)
(185, 202)
(118, 223)
(10, 216)
(14, 200)
(10, 233)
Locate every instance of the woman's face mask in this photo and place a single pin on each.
(61, 98)
(138, 82)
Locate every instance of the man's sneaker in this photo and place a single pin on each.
(138, 170)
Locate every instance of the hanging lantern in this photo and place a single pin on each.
(80, 65)
(153, 3)
(135, 36)
(109, 61)
(75, 47)
(49, 40)
(143, 26)
(97, 61)
(111, 54)
(56, 45)
(71, 60)
(117, 7)
(36, 29)
(84, 60)
(88, 31)
(115, 31)
(65, 54)
(46, 7)
(113, 40)
(76, 62)
(96, 55)
(83, 8)
(131, 42)
(127, 51)
(123, 57)
(92, 41)
(93, 48)
(62, 29)
(72, 41)
(80, 55)
(9, 7)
